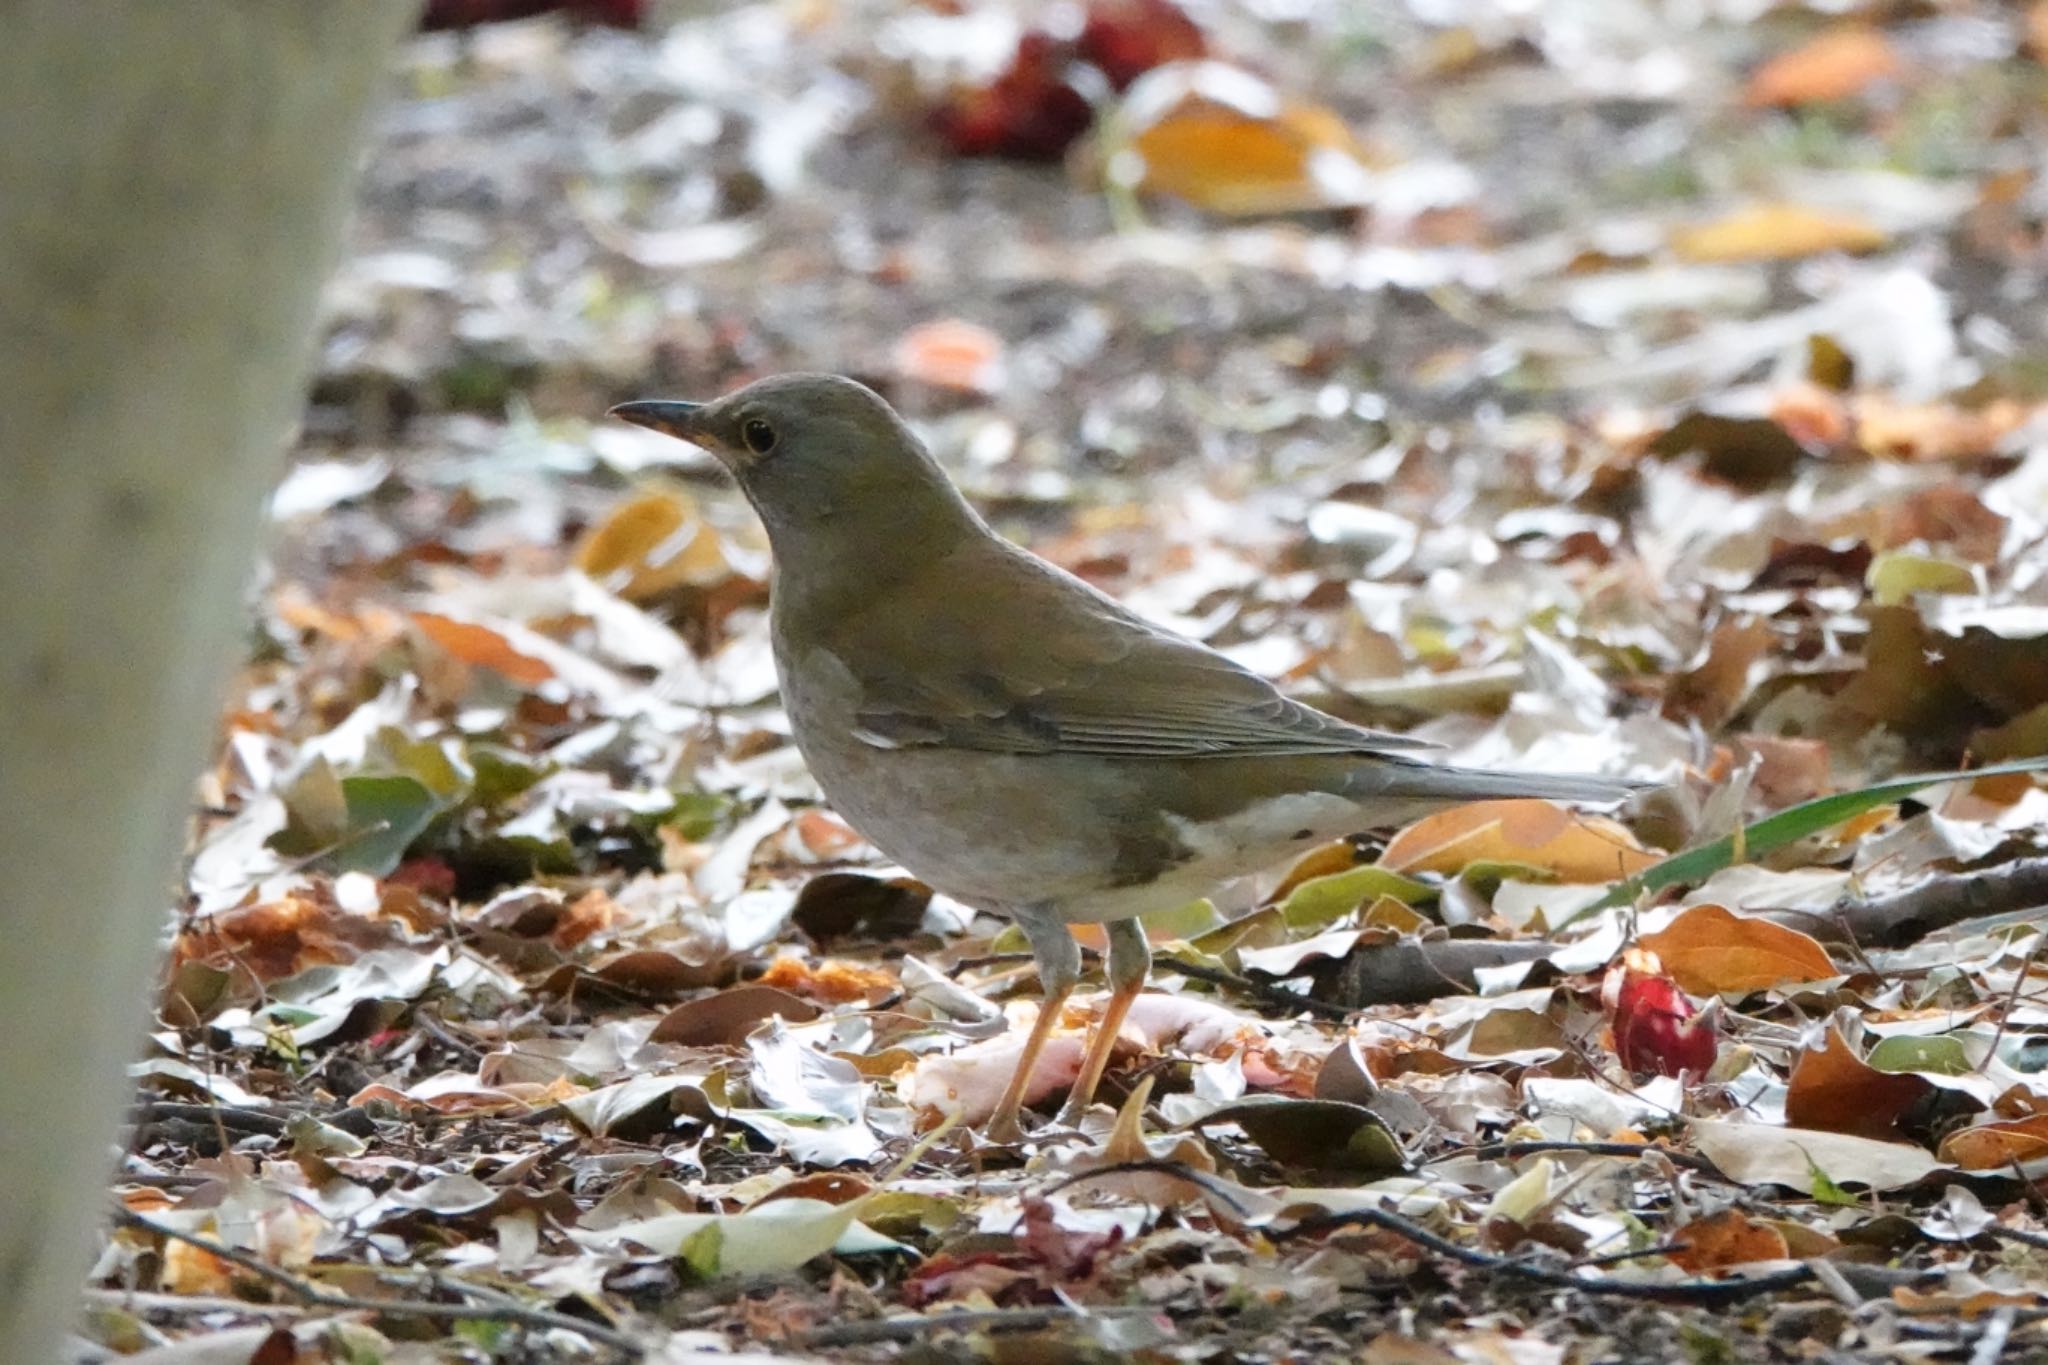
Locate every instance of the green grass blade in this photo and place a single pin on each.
(1788, 826)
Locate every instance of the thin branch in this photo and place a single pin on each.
(912, 1328)
(1264, 991)
(1705, 1293)
(498, 1309)
(1497, 1151)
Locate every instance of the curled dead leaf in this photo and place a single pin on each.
(1710, 950)
(1526, 832)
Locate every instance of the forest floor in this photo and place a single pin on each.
(1647, 390)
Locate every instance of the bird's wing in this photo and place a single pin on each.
(1061, 668)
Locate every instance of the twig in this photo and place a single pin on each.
(148, 1113)
(966, 1320)
(1509, 1150)
(1217, 1188)
(1259, 990)
(498, 1309)
(1705, 1293)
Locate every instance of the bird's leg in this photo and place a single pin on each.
(1130, 958)
(1059, 967)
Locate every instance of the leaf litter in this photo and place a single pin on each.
(1596, 389)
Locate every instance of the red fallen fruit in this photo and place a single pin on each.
(1031, 111)
(1654, 1024)
(1126, 38)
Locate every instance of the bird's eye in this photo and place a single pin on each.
(759, 436)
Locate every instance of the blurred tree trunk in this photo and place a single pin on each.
(174, 175)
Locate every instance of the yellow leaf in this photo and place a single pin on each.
(1708, 950)
(1224, 140)
(1775, 232)
(1531, 833)
(652, 544)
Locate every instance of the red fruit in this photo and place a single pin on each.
(1030, 111)
(1126, 38)
(1655, 1025)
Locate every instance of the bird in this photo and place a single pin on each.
(1012, 736)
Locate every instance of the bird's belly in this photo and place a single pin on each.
(982, 828)
(1075, 835)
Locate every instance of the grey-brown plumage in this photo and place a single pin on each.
(1015, 738)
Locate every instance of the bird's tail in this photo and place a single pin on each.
(1413, 780)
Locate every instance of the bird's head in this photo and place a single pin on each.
(821, 458)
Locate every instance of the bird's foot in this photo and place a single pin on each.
(1004, 1130)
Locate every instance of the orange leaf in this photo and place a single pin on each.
(1728, 1238)
(1775, 232)
(1710, 950)
(1835, 1090)
(1540, 834)
(1838, 64)
(1995, 1146)
(950, 354)
(480, 645)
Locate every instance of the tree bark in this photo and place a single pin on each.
(173, 180)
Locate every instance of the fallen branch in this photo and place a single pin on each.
(499, 1308)
(912, 1328)
(1412, 971)
(1941, 901)
(1266, 992)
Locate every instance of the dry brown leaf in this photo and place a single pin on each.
(1996, 1146)
(1532, 833)
(1775, 232)
(1834, 1089)
(728, 1016)
(1840, 63)
(1728, 1238)
(1709, 950)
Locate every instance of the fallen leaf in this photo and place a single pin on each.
(1775, 232)
(1833, 1088)
(1224, 140)
(1837, 64)
(652, 544)
(1709, 950)
(951, 354)
(1765, 1154)
(1524, 832)
(480, 645)
(1728, 1238)
(1996, 1146)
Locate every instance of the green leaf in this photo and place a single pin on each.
(1314, 1134)
(1788, 826)
(1938, 1056)
(1321, 901)
(385, 814)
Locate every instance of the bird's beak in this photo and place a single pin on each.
(670, 417)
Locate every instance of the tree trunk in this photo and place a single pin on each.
(174, 175)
